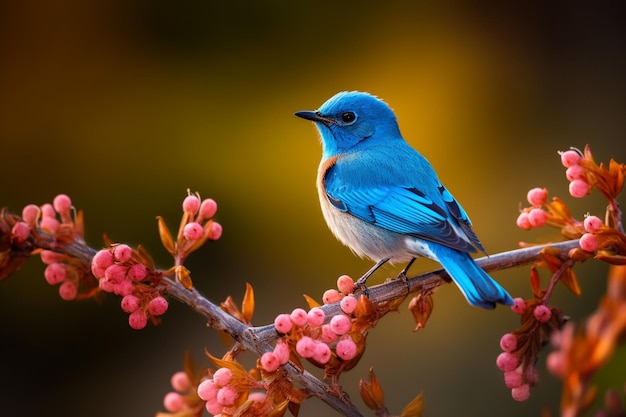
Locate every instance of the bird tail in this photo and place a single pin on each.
(478, 288)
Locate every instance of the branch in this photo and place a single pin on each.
(258, 339)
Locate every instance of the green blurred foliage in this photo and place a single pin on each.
(125, 105)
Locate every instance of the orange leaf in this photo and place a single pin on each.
(366, 395)
(146, 259)
(189, 367)
(421, 307)
(375, 390)
(184, 277)
(166, 236)
(247, 305)
(612, 259)
(535, 283)
(414, 408)
(569, 280)
(310, 301)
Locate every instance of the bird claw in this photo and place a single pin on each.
(360, 283)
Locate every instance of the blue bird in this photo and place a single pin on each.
(383, 200)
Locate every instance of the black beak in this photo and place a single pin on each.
(314, 117)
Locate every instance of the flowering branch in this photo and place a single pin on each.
(331, 336)
(258, 339)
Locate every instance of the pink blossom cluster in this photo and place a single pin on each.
(119, 270)
(589, 241)
(519, 370)
(48, 217)
(60, 273)
(221, 393)
(199, 213)
(575, 173)
(315, 337)
(55, 218)
(174, 401)
(534, 216)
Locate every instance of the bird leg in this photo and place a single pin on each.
(403, 274)
(360, 283)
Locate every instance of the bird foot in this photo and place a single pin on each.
(360, 283)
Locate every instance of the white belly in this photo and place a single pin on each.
(371, 241)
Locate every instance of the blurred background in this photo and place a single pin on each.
(126, 105)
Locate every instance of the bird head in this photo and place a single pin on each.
(352, 119)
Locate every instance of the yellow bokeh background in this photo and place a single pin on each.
(126, 105)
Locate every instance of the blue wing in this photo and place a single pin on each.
(407, 210)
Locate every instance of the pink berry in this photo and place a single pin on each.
(180, 382)
(327, 334)
(55, 273)
(305, 347)
(523, 222)
(340, 324)
(102, 259)
(345, 284)
(569, 158)
(115, 273)
(47, 210)
(281, 351)
(298, 316)
(157, 306)
(130, 303)
(537, 196)
(507, 361)
(346, 349)
(283, 323)
(191, 204)
(592, 224)
(316, 316)
(579, 188)
(322, 353)
(207, 390)
(30, 213)
(575, 172)
(542, 313)
(137, 272)
(122, 253)
(123, 288)
(97, 271)
(137, 319)
(20, 230)
(173, 402)
(222, 376)
(331, 296)
(555, 363)
(508, 342)
(513, 379)
(214, 407)
(49, 257)
(106, 285)
(193, 231)
(521, 393)
(208, 208)
(269, 362)
(588, 242)
(519, 305)
(216, 231)
(537, 217)
(49, 224)
(68, 290)
(227, 395)
(348, 304)
(62, 204)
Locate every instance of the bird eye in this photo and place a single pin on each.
(348, 117)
